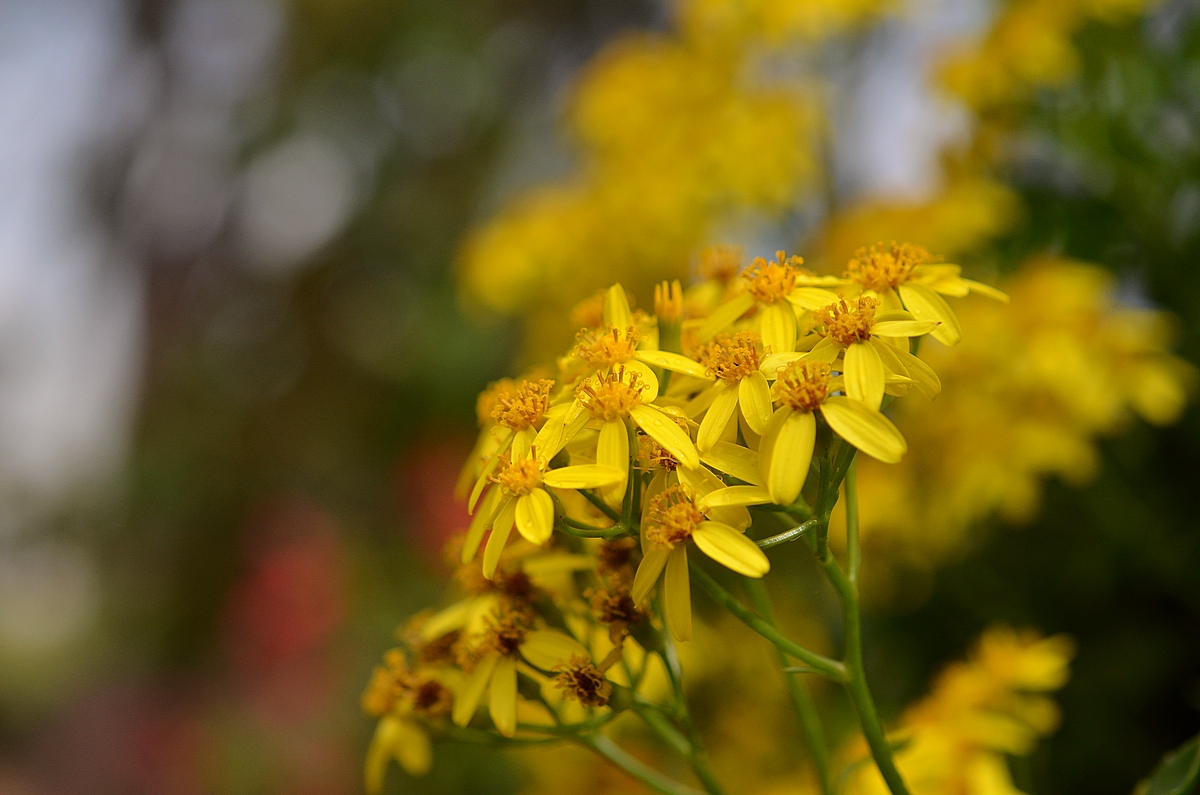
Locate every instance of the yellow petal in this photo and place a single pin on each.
(663, 430)
(925, 304)
(480, 522)
(731, 549)
(703, 482)
(521, 443)
(735, 460)
(810, 298)
(612, 450)
(677, 595)
(777, 322)
(754, 396)
(773, 362)
(865, 428)
(583, 476)
(616, 311)
(864, 374)
(786, 453)
(499, 537)
(751, 437)
(725, 315)
(472, 690)
(702, 401)
(736, 495)
(447, 620)
(674, 362)
(535, 516)
(647, 573)
(716, 419)
(547, 648)
(649, 381)
(413, 750)
(986, 289)
(380, 752)
(903, 328)
(826, 351)
(923, 376)
(503, 706)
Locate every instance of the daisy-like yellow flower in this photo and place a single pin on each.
(734, 362)
(773, 288)
(617, 344)
(509, 641)
(670, 519)
(620, 396)
(519, 497)
(874, 348)
(804, 388)
(398, 696)
(907, 276)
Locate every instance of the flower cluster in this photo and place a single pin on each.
(593, 489)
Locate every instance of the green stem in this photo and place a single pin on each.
(664, 728)
(698, 759)
(601, 504)
(574, 528)
(853, 553)
(806, 710)
(856, 684)
(831, 669)
(788, 535)
(635, 767)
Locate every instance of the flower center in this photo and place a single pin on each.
(770, 281)
(847, 323)
(607, 347)
(803, 385)
(525, 407)
(732, 358)
(672, 517)
(430, 698)
(387, 685)
(613, 395)
(582, 681)
(879, 268)
(520, 477)
(506, 631)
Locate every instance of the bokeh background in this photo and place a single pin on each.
(243, 325)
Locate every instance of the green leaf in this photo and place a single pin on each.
(1177, 773)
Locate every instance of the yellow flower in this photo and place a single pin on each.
(519, 497)
(509, 641)
(772, 288)
(875, 348)
(906, 276)
(740, 384)
(398, 696)
(670, 519)
(805, 387)
(978, 712)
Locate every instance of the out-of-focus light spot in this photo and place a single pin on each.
(438, 94)
(48, 597)
(296, 198)
(226, 47)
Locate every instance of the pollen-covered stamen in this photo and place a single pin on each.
(772, 281)
(732, 358)
(614, 557)
(490, 398)
(802, 385)
(672, 516)
(430, 698)
(388, 684)
(519, 477)
(847, 323)
(613, 395)
(523, 407)
(583, 681)
(878, 268)
(606, 347)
